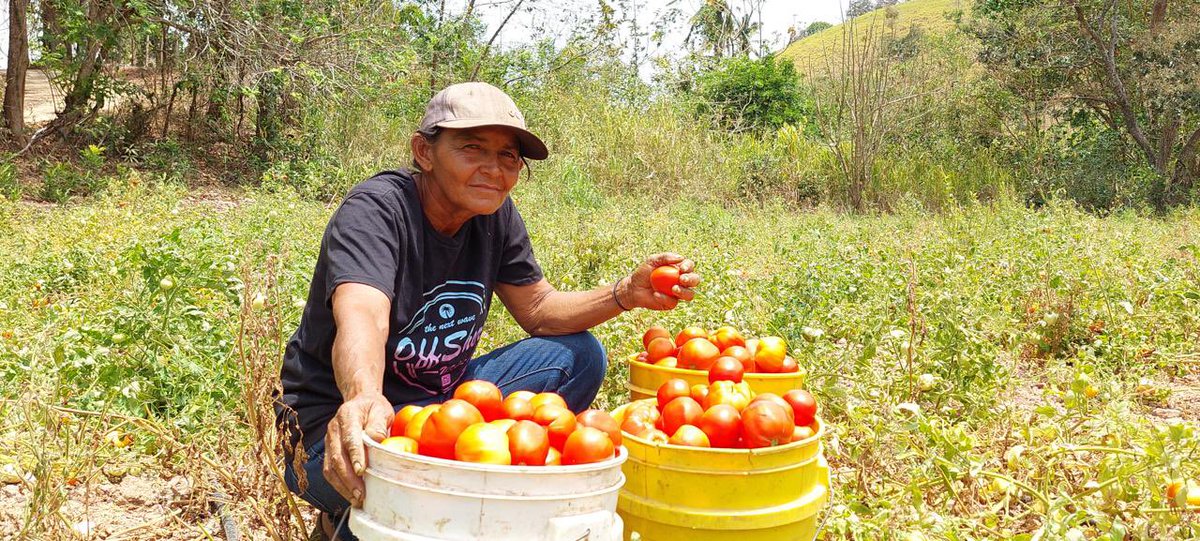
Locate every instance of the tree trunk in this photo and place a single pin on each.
(18, 64)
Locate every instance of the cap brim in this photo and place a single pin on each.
(532, 146)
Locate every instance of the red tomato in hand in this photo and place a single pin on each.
(602, 421)
(804, 405)
(652, 333)
(698, 353)
(402, 418)
(672, 389)
(559, 421)
(689, 333)
(587, 445)
(741, 354)
(663, 279)
(727, 369)
(765, 424)
(484, 444)
(528, 443)
(727, 337)
(689, 436)
(442, 429)
(659, 348)
(771, 352)
(680, 411)
(722, 424)
(517, 407)
(484, 395)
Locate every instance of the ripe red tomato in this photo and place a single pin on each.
(722, 424)
(542, 399)
(484, 395)
(689, 333)
(587, 445)
(483, 443)
(804, 405)
(559, 422)
(741, 354)
(672, 389)
(659, 348)
(414, 427)
(528, 443)
(789, 365)
(602, 421)
(680, 411)
(517, 407)
(770, 354)
(664, 278)
(402, 418)
(689, 436)
(400, 444)
(698, 353)
(652, 333)
(640, 419)
(727, 337)
(699, 392)
(765, 424)
(445, 425)
(727, 369)
(772, 397)
(667, 362)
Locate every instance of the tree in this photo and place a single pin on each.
(859, 7)
(1132, 65)
(721, 30)
(18, 64)
(814, 28)
(743, 93)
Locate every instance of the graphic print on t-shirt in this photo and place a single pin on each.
(433, 349)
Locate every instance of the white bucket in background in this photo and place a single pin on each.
(418, 498)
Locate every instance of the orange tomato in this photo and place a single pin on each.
(659, 348)
(640, 419)
(789, 365)
(559, 422)
(652, 333)
(680, 411)
(414, 427)
(484, 395)
(528, 443)
(722, 424)
(402, 418)
(542, 399)
(689, 333)
(699, 392)
(553, 457)
(689, 436)
(587, 445)
(602, 421)
(727, 337)
(442, 428)
(771, 352)
(801, 433)
(400, 444)
(503, 423)
(655, 435)
(741, 354)
(672, 389)
(522, 394)
(663, 279)
(698, 353)
(483, 443)
(667, 362)
(517, 407)
(726, 392)
(726, 368)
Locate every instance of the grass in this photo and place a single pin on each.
(810, 53)
(1059, 342)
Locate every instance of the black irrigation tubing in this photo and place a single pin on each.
(219, 499)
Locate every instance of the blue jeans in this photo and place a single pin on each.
(572, 365)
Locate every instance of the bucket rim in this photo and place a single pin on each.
(621, 456)
(765, 376)
(787, 447)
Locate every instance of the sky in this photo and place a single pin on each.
(547, 17)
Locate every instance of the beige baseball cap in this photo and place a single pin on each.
(475, 104)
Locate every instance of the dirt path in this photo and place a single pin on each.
(42, 100)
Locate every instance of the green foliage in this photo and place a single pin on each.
(10, 182)
(61, 180)
(743, 93)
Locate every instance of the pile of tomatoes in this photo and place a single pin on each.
(522, 429)
(696, 348)
(721, 414)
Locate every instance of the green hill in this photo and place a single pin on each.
(811, 51)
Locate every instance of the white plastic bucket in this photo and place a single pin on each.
(418, 498)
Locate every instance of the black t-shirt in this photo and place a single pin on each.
(440, 288)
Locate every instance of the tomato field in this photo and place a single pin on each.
(992, 372)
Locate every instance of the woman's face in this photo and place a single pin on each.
(473, 168)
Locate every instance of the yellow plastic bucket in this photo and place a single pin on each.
(645, 379)
(673, 493)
